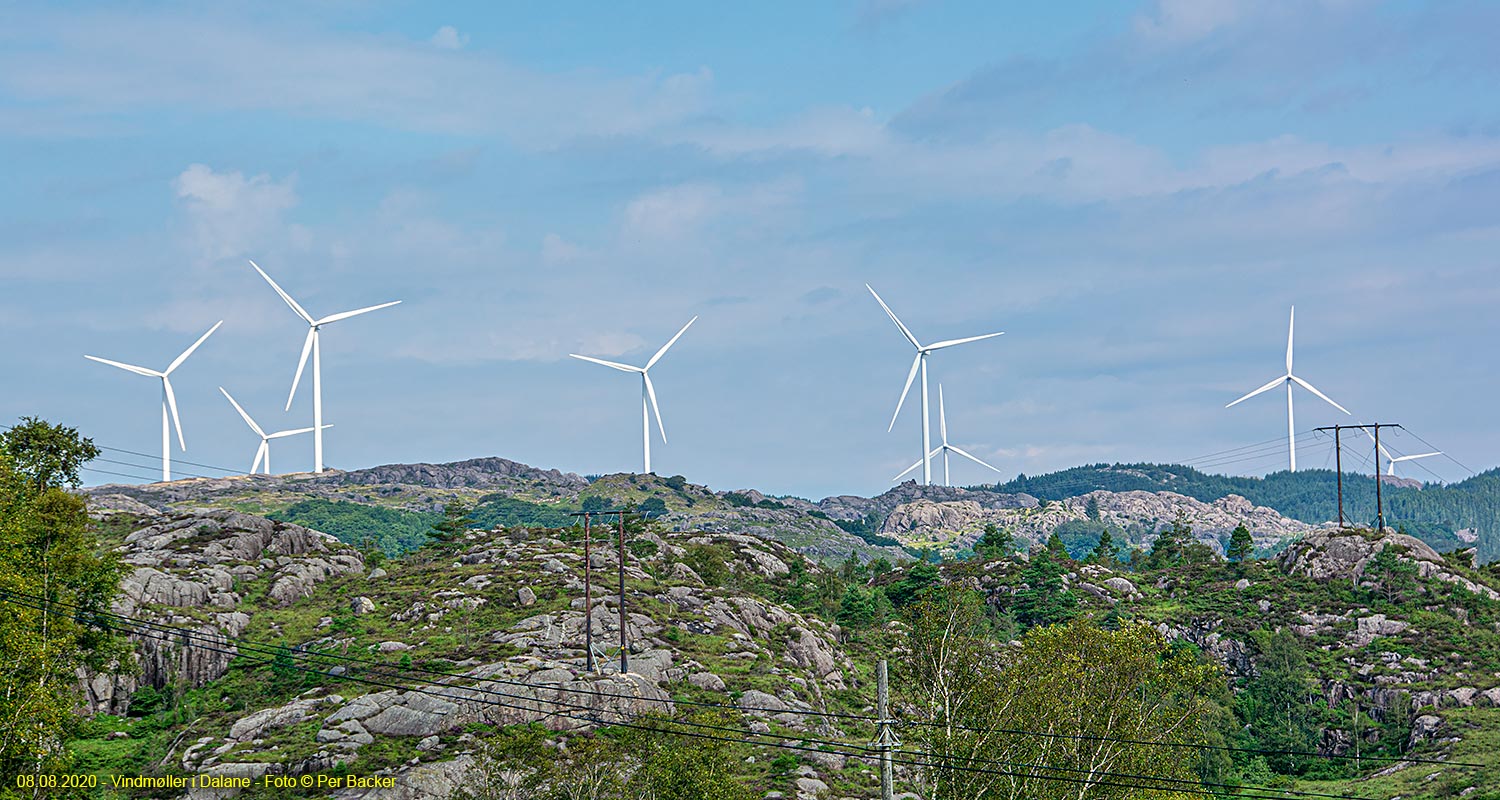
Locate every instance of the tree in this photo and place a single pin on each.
(652, 507)
(909, 589)
(995, 543)
(1106, 552)
(1056, 547)
(45, 454)
(1091, 508)
(1045, 599)
(1392, 578)
(455, 522)
(1240, 544)
(55, 580)
(966, 694)
(1277, 705)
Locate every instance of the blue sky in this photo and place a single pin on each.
(1135, 192)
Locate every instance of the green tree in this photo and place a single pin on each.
(909, 589)
(1045, 599)
(455, 522)
(1056, 548)
(55, 579)
(1392, 578)
(1091, 508)
(1277, 705)
(995, 543)
(1106, 552)
(1240, 544)
(47, 455)
(966, 693)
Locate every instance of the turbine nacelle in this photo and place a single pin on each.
(648, 390)
(169, 397)
(1287, 380)
(919, 362)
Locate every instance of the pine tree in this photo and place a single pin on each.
(1240, 544)
(455, 522)
(1106, 552)
(995, 543)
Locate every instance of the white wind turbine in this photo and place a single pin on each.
(264, 451)
(1289, 379)
(311, 345)
(921, 362)
(945, 448)
(1392, 459)
(168, 398)
(648, 392)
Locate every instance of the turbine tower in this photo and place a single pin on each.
(168, 398)
(920, 362)
(1289, 379)
(264, 451)
(648, 392)
(944, 448)
(310, 344)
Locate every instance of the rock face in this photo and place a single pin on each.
(851, 507)
(191, 571)
(1342, 556)
(959, 522)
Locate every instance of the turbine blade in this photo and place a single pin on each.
(910, 376)
(1290, 324)
(201, 339)
(284, 296)
(651, 392)
(907, 470)
(150, 373)
(615, 365)
(282, 434)
(243, 415)
(1268, 387)
(965, 340)
(663, 350)
(172, 404)
(260, 452)
(1309, 387)
(892, 315)
(967, 455)
(356, 312)
(1413, 458)
(301, 364)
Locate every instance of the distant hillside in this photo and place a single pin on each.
(1445, 516)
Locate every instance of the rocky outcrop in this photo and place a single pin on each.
(1342, 556)
(191, 571)
(1138, 516)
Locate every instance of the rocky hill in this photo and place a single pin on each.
(944, 519)
(274, 649)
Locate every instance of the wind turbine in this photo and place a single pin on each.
(310, 344)
(1392, 459)
(648, 392)
(1289, 379)
(921, 362)
(264, 451)
(168, 398)
(944, 448)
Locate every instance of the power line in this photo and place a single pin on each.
(859, 751)
(189, 633)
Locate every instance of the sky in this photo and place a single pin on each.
(1135, 193)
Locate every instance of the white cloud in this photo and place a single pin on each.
(448, 38)
(89, 66)
(557, 250)
(1179, 21)
(231, 214)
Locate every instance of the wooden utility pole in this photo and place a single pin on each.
(1338, 465)
(588, 594)
(624, 645)
(885, 738)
